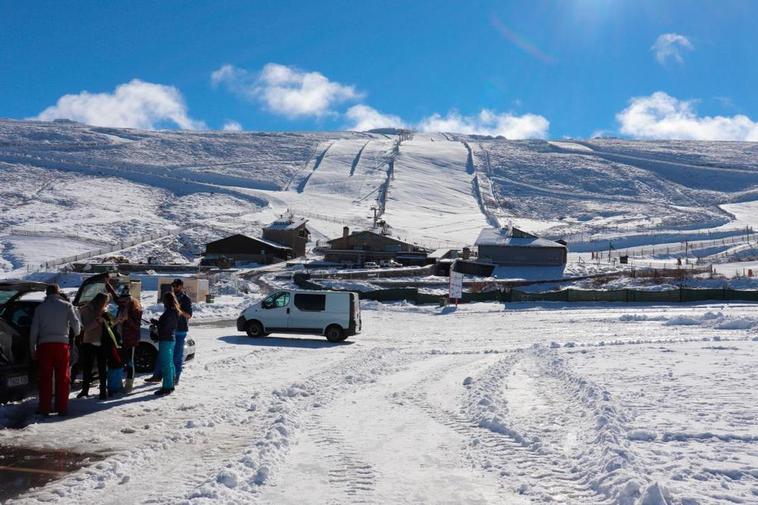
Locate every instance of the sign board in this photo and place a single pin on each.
(456, 285)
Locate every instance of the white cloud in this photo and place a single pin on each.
(661, 116)
(488, 122)
(229, 75)
(136, 104)
(232, 126)
(669, 46)
(286, 90)
(364, 118)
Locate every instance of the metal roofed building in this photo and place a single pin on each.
(515, 247)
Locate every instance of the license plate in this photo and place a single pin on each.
(20, 380)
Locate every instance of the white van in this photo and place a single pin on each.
(334, 314)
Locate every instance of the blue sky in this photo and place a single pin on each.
(645, 69)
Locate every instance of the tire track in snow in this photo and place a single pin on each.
(496, 448)
(185, 450)
(242, 479)
(355, 477)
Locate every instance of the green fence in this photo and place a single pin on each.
(565, 295)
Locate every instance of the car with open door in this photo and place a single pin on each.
(147, 350)
(18, 301)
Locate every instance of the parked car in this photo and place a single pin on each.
(334, 314)
(19, 300)
(17, 376)
(370, 265)
(389, 264)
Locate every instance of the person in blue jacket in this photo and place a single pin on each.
(167, 325)
(185, 314)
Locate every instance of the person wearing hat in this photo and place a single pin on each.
(128, 321)
(180, 335)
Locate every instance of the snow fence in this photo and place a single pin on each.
(564, 295)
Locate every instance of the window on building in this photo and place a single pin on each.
(310, 303)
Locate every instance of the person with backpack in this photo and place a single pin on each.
(53, 319)
(93, 347)
(185, 314)
(167, 325)
(128, 322)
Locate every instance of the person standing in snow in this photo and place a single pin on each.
(49, 341)
(92, 348)
(128, 321)
(167, 325)
(185, 314)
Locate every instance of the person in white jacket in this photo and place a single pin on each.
(49, 341)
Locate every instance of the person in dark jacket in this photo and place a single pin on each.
(128, 322)
(167, 325)
(49, 341)
(185, 314)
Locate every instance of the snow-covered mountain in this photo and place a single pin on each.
(104, 185)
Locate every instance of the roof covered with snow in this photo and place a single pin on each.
(505, 238)
(287, 224)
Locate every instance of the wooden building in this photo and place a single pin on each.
(290, 232)
(515, 247)
(239, 248)
(361, 247)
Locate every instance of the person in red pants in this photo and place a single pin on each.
(49, 342)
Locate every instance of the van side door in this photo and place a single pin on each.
(308, 311)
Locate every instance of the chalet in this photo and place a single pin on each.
(290, 232)
(359, 247)
(243, 249)
(515, 247)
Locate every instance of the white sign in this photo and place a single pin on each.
(456, 285)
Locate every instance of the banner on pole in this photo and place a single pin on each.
(456, 285)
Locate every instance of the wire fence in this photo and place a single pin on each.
(26, 232)
(687, 248)
(116, 246)
(602, 235)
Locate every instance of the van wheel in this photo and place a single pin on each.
(334, 333)
(144, 357)
(254, 329)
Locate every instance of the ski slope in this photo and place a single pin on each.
(431, 196)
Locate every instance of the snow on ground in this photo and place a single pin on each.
(593, 403)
